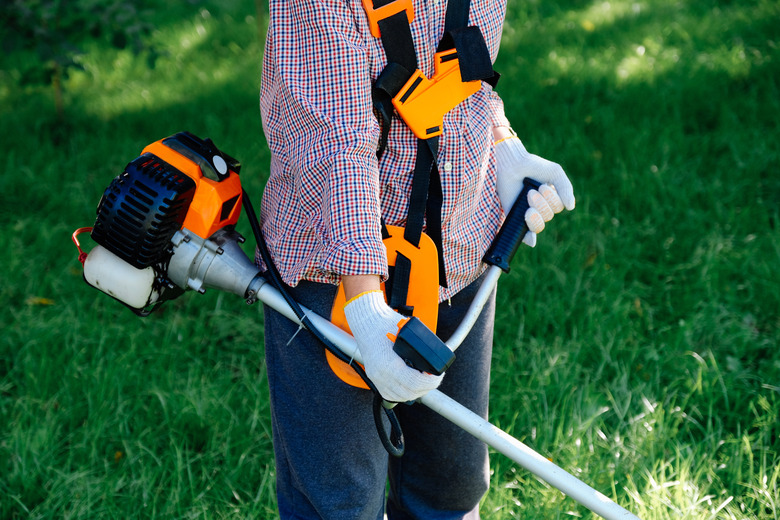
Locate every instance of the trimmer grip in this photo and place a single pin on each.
(422, 349)
(512, 232)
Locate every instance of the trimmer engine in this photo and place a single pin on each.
(166, 224)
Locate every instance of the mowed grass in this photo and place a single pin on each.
(636, 345)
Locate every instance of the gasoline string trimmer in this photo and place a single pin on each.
(166, 225)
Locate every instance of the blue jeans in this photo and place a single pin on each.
(330, 463)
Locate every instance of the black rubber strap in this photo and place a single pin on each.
(397, 40)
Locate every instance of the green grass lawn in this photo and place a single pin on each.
(637, 344)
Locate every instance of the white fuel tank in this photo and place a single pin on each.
(115, 277)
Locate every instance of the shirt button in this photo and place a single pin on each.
(448, 167)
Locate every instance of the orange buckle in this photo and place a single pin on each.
(386, 11)
(422, 102)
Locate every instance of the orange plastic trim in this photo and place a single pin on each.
(386, 11)
(215, 204)
(423, 292)
(422, 102)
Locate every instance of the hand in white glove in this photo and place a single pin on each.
(513, 164)
(371, 320)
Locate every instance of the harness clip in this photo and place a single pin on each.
(422, 102)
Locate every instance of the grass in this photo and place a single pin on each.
(636, 346)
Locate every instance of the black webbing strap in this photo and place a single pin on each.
(433, 211)
(398, 44)
(397, 285)
(457, 14)
(473, 54)
(397, 39)
(421, 179)
(425, 201)
(390, 81)
(385, 231)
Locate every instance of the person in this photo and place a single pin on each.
(323, 208)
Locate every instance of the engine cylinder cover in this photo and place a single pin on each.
(141, 210)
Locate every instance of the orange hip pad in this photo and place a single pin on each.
(422, 296)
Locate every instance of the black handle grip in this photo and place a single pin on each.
(512, 232)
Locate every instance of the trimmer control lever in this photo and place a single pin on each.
(422, 349)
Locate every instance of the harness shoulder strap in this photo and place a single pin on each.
(390, 21)
(413, 284)
(401, 86)
(457, 14)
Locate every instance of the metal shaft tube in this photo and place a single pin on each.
(484, 292)
(507, 445)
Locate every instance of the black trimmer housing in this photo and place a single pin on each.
(141, 210)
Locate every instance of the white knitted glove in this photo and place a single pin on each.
(513, 164)
(371, 320)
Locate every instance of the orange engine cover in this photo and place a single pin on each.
(217, 199)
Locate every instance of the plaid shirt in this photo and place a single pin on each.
(326, 193)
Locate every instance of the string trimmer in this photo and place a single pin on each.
(166, 225)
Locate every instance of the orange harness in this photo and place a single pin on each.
(461, 62)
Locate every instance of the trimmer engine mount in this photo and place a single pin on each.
(166, 224)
